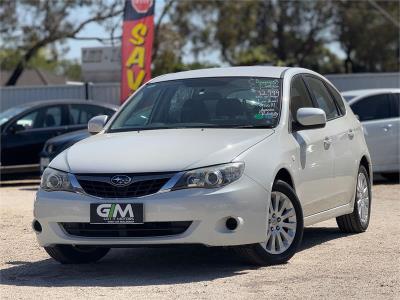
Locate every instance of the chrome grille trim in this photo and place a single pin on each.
(82, 179)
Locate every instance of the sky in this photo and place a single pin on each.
(75, 46)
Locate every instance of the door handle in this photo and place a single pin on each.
(387, 127)
(350, 134)
(327, 143)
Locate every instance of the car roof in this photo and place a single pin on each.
(364, 92)
(66, 101)
(360, 94)
(249, 71)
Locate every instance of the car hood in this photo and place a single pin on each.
(157, 150)
(69, 137)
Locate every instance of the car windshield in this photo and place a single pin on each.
(221, 102)
(9, 113)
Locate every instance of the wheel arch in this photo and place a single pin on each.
(284, 175)
(364, 161)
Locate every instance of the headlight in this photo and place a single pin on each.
(210, 177)
(50, 148)
(54, 180)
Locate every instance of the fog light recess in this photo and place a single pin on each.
(231, 223)
(36, 226)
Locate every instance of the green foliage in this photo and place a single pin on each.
(42, 60)
(292, 33)
(28, 26)
(250, 32)
(369, 38)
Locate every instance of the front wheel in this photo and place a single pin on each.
(68, 254)
(284, 229)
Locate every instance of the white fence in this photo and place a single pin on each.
(110, 92)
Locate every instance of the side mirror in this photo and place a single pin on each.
(13, 129)
(311, 118)
(96, 124)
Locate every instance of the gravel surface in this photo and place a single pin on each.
(329, 265)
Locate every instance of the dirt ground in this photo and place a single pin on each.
(330, 265)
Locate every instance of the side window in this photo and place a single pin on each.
(82, 113)
(108, 112)
(299, 96)
(28, 121)
(52, 117)
(338, 99)
(322, 97)
(396, 105)
(372, 108)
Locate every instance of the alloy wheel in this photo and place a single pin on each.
(362, 198)
(282, 224)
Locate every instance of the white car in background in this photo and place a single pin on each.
(242, 157)
(379, 113)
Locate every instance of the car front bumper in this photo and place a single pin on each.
(245, 200)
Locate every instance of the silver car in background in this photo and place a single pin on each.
(378, 110)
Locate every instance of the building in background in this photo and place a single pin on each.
(101, 64)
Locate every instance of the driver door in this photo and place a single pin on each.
(24, 138)
(314, 155)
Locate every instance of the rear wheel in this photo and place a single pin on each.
(284, 229)
(358, 220)
(68, 254)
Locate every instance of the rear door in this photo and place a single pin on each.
(395, 115)
(345, 149)
(374, 112)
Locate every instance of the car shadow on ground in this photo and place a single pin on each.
(147, 266)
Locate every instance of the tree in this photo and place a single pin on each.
(369, 38)
(293, 33)
(32, 25)
(44, 59)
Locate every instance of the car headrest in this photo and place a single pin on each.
(229, 108)
(49, 121)
(194, 111)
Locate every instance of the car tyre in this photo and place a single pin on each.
(68, 254)
(262, 253)
(358, 220)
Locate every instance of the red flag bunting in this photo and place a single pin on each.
(137, 43)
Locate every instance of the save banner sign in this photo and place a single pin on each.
(137, 43)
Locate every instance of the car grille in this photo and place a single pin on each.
(141, 186)
(148, 229)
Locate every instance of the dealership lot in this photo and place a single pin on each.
(329, 265)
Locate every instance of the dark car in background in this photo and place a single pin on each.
(25, 128)
(57, 144)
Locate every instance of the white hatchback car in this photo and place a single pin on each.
(379, 113)
(242, 157)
